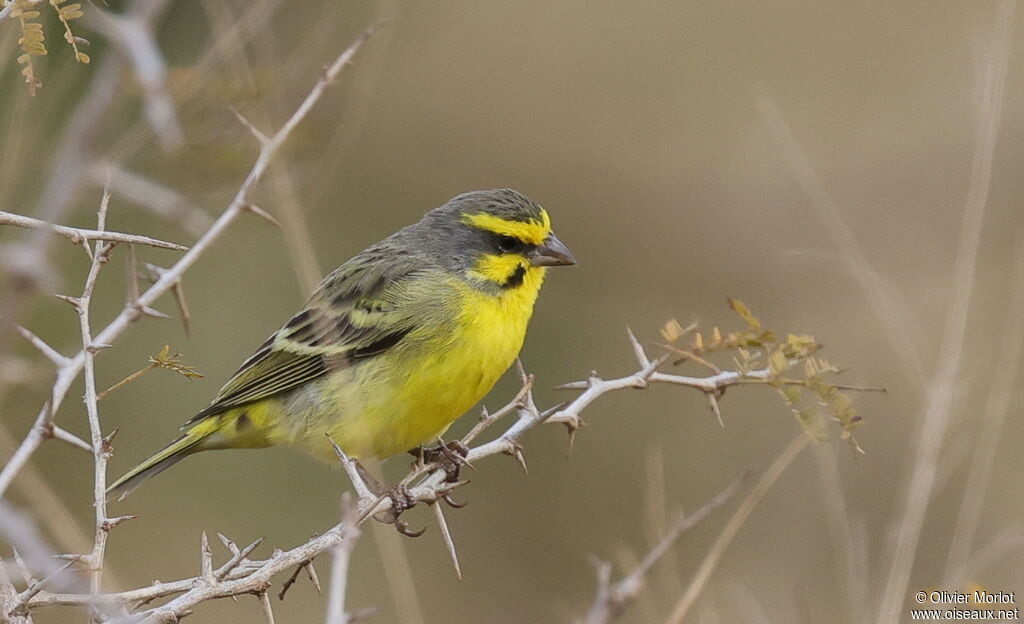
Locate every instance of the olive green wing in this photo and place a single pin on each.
(356, 313)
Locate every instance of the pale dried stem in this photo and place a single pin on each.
(57, 358)
(133, 34)
(612, 598)
(59, 433)
(268, 609)
(1006, 370)
(53, 514)
(38, 560)
(850, 552)
(739, 517)
(884, 301)
(101, 253)
(78, 235)
(150, 194)
(938, 410)
(341, 554)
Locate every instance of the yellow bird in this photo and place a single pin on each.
(393, 346)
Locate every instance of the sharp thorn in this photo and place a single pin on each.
(448, 541)
(574, 385)
(148, 311)
(75, 301)
(517, 453)
(713, 401)
(313, 578)
(262, 138)
(263, 214)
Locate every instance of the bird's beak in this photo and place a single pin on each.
(552, 252)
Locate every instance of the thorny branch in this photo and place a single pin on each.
(70, 367)
(613, 598)
(100, 445)
(427, 482)
(79, 236)
(169, 278)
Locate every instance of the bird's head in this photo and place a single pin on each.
(497, 237)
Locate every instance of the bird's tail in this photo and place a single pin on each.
(190, 442)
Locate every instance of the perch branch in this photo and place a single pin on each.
(426, 483)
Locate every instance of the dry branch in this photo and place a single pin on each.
(100, 446)
(133, 34)
(169, 278)
(78, 235)
(737, 520)
(427, 482)
(341, 555)
(613, 598)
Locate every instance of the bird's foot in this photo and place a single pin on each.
(401, 502)
(450, 457)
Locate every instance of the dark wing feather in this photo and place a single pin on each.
(354, 314)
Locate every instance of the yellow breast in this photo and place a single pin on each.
(410, 397)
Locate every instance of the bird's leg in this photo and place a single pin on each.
(450, 457)
(401, 502)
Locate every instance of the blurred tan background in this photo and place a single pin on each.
(651, 132)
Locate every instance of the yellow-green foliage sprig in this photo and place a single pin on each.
(65, 14)
(32, 41)
(789, 366)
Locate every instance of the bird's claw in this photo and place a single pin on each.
(450, 457)
(401, 502)
(447, 497)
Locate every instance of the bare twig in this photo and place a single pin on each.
(159, 199)
(341, 555)
(22, 534)
(133, 34)
(77, 235)
(612, 598)
(737, 520)
(58, 358)
(59, 433)
(100, 255)
(170, 277)
(268, 609)
(849, 543)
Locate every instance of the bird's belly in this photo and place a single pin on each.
(410, 395)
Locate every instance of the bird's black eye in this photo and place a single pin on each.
(509, 244)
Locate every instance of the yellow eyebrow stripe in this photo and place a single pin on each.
(531, 232)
